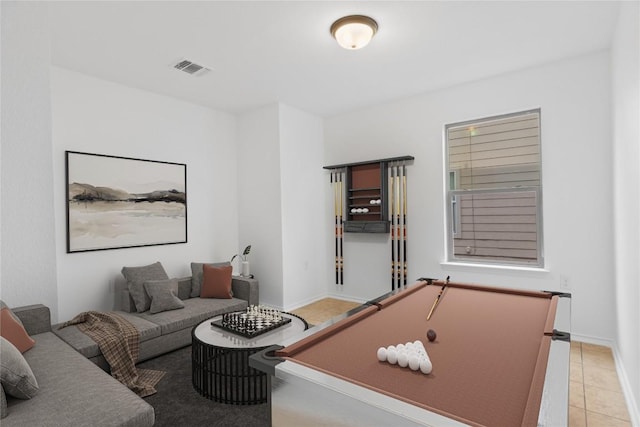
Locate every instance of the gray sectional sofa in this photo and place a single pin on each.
(168, 330)
(72, 390)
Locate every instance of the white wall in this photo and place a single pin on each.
(259, 200)
(303, 207)
(96, 116)
(626, 145)
(574, 97)
(27, 228)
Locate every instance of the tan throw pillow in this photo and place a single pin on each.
(14, 332)
(216, 282)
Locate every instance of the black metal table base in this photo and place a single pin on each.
(224, 375)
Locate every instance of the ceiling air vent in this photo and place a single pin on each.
(190, 67)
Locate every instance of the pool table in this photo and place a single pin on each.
(500, 358)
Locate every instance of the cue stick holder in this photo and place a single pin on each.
(371, 197)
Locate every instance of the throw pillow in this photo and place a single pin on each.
(3, 403)
(164, 295)
(3, 305)
(14, 332)
(216, 282)
(15, 374)
(196, 276)
(136, 276)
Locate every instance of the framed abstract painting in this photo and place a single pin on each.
(119, 202)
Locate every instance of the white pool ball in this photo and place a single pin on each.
(403, 360)
(426, 366)
(382, 354)
(414, 363)
(392, 356)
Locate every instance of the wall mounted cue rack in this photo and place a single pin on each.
(367, 190)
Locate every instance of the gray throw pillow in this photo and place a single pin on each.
(136, 276)
(196, 276)
(3, 403)
(16, 375)
(164, 295)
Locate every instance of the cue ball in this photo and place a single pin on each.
(382, 354)
(431, 335)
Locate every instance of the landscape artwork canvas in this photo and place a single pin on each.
(119, 202)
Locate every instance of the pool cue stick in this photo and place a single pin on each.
(393, 254)
(397, 190)
(400, 227)
(341, 226)
(335, 211)
(403, 225)
(437, 299)
(404, 192)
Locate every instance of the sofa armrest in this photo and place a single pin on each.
(246, 289)
(36, 318)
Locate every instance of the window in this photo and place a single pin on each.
(494, 190)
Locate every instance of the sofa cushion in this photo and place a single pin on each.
(195, 311)
(136, 276)
(74, 392)
(184, 288)
(89, 348)
(16, 375)
(163, 294)
(196, 276)
(216, 282)
(12, 330)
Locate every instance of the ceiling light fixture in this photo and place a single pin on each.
(354, 31)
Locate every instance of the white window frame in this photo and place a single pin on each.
(452, 202)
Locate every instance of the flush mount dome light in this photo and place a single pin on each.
(354, 31)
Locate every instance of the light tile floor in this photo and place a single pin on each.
(324, 309)
(595, 395)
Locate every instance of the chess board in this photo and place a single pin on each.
(254, 321)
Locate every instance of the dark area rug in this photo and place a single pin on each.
(178, 404)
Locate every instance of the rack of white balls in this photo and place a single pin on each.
(411, 354)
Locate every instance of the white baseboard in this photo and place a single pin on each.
(592, 340)
(632, 406)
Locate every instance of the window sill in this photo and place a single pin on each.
(465, 266)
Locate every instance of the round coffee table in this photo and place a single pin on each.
(220, 361)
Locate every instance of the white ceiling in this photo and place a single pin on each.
(281, 51)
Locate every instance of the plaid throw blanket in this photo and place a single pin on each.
(118, 340)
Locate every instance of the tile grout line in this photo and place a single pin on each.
(584, 388)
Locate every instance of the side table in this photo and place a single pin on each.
(220, 361)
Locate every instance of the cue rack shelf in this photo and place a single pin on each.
(367, 205)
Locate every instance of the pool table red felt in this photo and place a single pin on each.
(489, 357)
